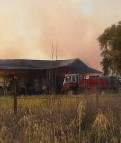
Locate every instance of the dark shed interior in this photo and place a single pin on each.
(38, 76)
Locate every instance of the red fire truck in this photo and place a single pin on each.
(75, 83)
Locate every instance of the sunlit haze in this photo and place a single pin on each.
(29, 27)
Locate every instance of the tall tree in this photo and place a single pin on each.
(110, 44)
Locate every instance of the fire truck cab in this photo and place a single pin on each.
(71, 83)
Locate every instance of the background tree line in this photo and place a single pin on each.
(110, 44)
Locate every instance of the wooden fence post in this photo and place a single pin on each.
(97, 100)
(15, 96)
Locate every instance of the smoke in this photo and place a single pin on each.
(28, 28)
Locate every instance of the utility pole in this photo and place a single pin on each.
(52, 68)
(56, 58)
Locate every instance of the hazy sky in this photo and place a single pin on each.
(28, 27)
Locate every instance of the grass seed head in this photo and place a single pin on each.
(101, 122)
(81, 109)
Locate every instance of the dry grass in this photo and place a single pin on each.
(61, 119)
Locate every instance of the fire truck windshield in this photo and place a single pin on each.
(68, 79)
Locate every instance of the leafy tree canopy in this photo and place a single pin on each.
(110, 44)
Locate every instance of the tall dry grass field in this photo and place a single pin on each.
(61, 119)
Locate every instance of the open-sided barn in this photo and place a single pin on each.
(36, 76)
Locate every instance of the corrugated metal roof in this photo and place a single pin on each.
(45, 64)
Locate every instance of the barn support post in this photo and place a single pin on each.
(85, 83)
(15, 96)
(84, 78)
(97, 90)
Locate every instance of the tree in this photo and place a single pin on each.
(110, 44)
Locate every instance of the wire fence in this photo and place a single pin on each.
(16, 103)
